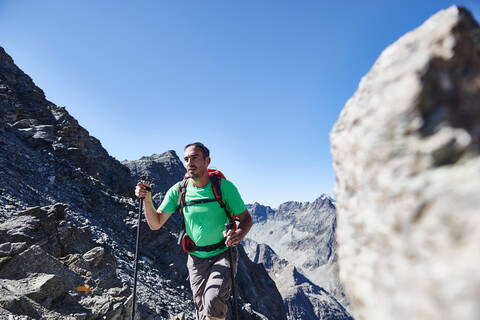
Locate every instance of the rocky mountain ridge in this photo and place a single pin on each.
(68, 223)
(304, 232)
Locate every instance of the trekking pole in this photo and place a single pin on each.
(234, 291)
(137, 247)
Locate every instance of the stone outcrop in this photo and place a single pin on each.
(406, 157)
(161, 171)
(46, 158)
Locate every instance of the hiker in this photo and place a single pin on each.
(207, 239)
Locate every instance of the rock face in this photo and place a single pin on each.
(45, 153)
(406, 156)
(41, 125)
(303, 235)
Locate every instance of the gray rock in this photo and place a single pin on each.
(162, 170)
(9, 248)
(42, 125)
(406, 157)
(180, 316)
(21, 305)
(305, 300)
(36, 260)
(34, 226)
(94, 256)
(41, 288)
(38, 284)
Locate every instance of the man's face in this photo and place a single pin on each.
(195, 162)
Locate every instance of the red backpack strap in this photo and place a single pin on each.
(217, 191)
(216, 179)
(187, 243)
(182, 190)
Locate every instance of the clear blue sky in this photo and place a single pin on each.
(261, 82)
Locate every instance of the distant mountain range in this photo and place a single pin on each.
(296, 244)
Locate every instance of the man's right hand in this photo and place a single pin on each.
(155, 219)
(141, 190)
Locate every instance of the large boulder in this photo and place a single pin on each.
(406, 152)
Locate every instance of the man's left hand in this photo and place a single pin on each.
(231, 238)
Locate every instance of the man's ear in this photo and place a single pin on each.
(207, 161)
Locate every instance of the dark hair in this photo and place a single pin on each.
(206, 152)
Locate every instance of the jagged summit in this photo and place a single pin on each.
(161, 170)
(316, 204)
(155, 156)
(16, 83)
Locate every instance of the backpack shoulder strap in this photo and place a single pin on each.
(182, 189)
(216, 180)
(217, 191)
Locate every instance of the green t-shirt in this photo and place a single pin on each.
(205, 222)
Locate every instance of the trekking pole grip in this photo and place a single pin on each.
(143, 180)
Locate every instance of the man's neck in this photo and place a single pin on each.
(201, 181)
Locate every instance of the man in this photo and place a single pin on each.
(210, 274)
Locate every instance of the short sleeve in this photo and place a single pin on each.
(232, 198)
(170, 202)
